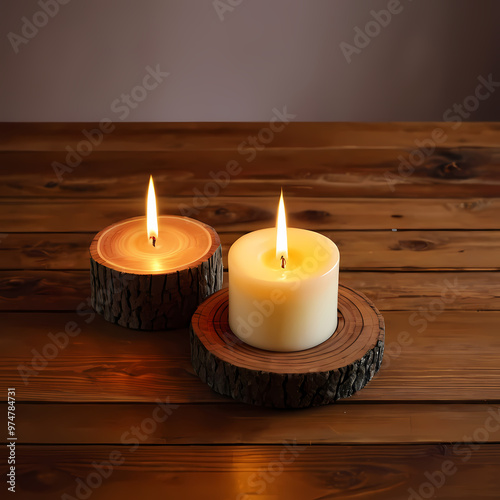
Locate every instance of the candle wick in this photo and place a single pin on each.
(283, 262)
(154, 240)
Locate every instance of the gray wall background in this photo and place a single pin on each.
(264, 54)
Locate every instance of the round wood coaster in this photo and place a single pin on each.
(335, 369)
(154, 287)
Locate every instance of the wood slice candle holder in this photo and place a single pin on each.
(143, 287)
(335, 369)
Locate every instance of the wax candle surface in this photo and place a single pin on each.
(278, 309)
(181, 241)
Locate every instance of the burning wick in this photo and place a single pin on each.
(154, 240)
(283, 262)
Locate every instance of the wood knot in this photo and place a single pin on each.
(344, 479)
(474, 205)
(450, 166)
(11, 288)
(45, 249)
(44, 480)
(413, 245)
(235, 213)
(452, 170)
(36, 253)
(443, 449)
(313, 215)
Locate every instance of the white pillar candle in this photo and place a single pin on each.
(283, 297)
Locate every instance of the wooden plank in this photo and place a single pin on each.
(430, 356)
(346, 422)
(210, 136)
(43, 290)
(360, 250)
(398, 291)
(391, 290)
(452, 173)
(287, 471)
(250, 213)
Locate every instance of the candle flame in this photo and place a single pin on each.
(281, 237)
(152, 217)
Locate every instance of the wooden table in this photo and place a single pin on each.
(421, 242)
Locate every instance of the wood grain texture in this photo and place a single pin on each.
(335, 369)
(209, 136)
(440, 379)
(309, 172)
(435, 359)
(361, 250)
(347, 422)
(251, 213)
(41, 290)
(287, 470)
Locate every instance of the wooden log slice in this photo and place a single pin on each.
(143, 287)
(335, 369)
